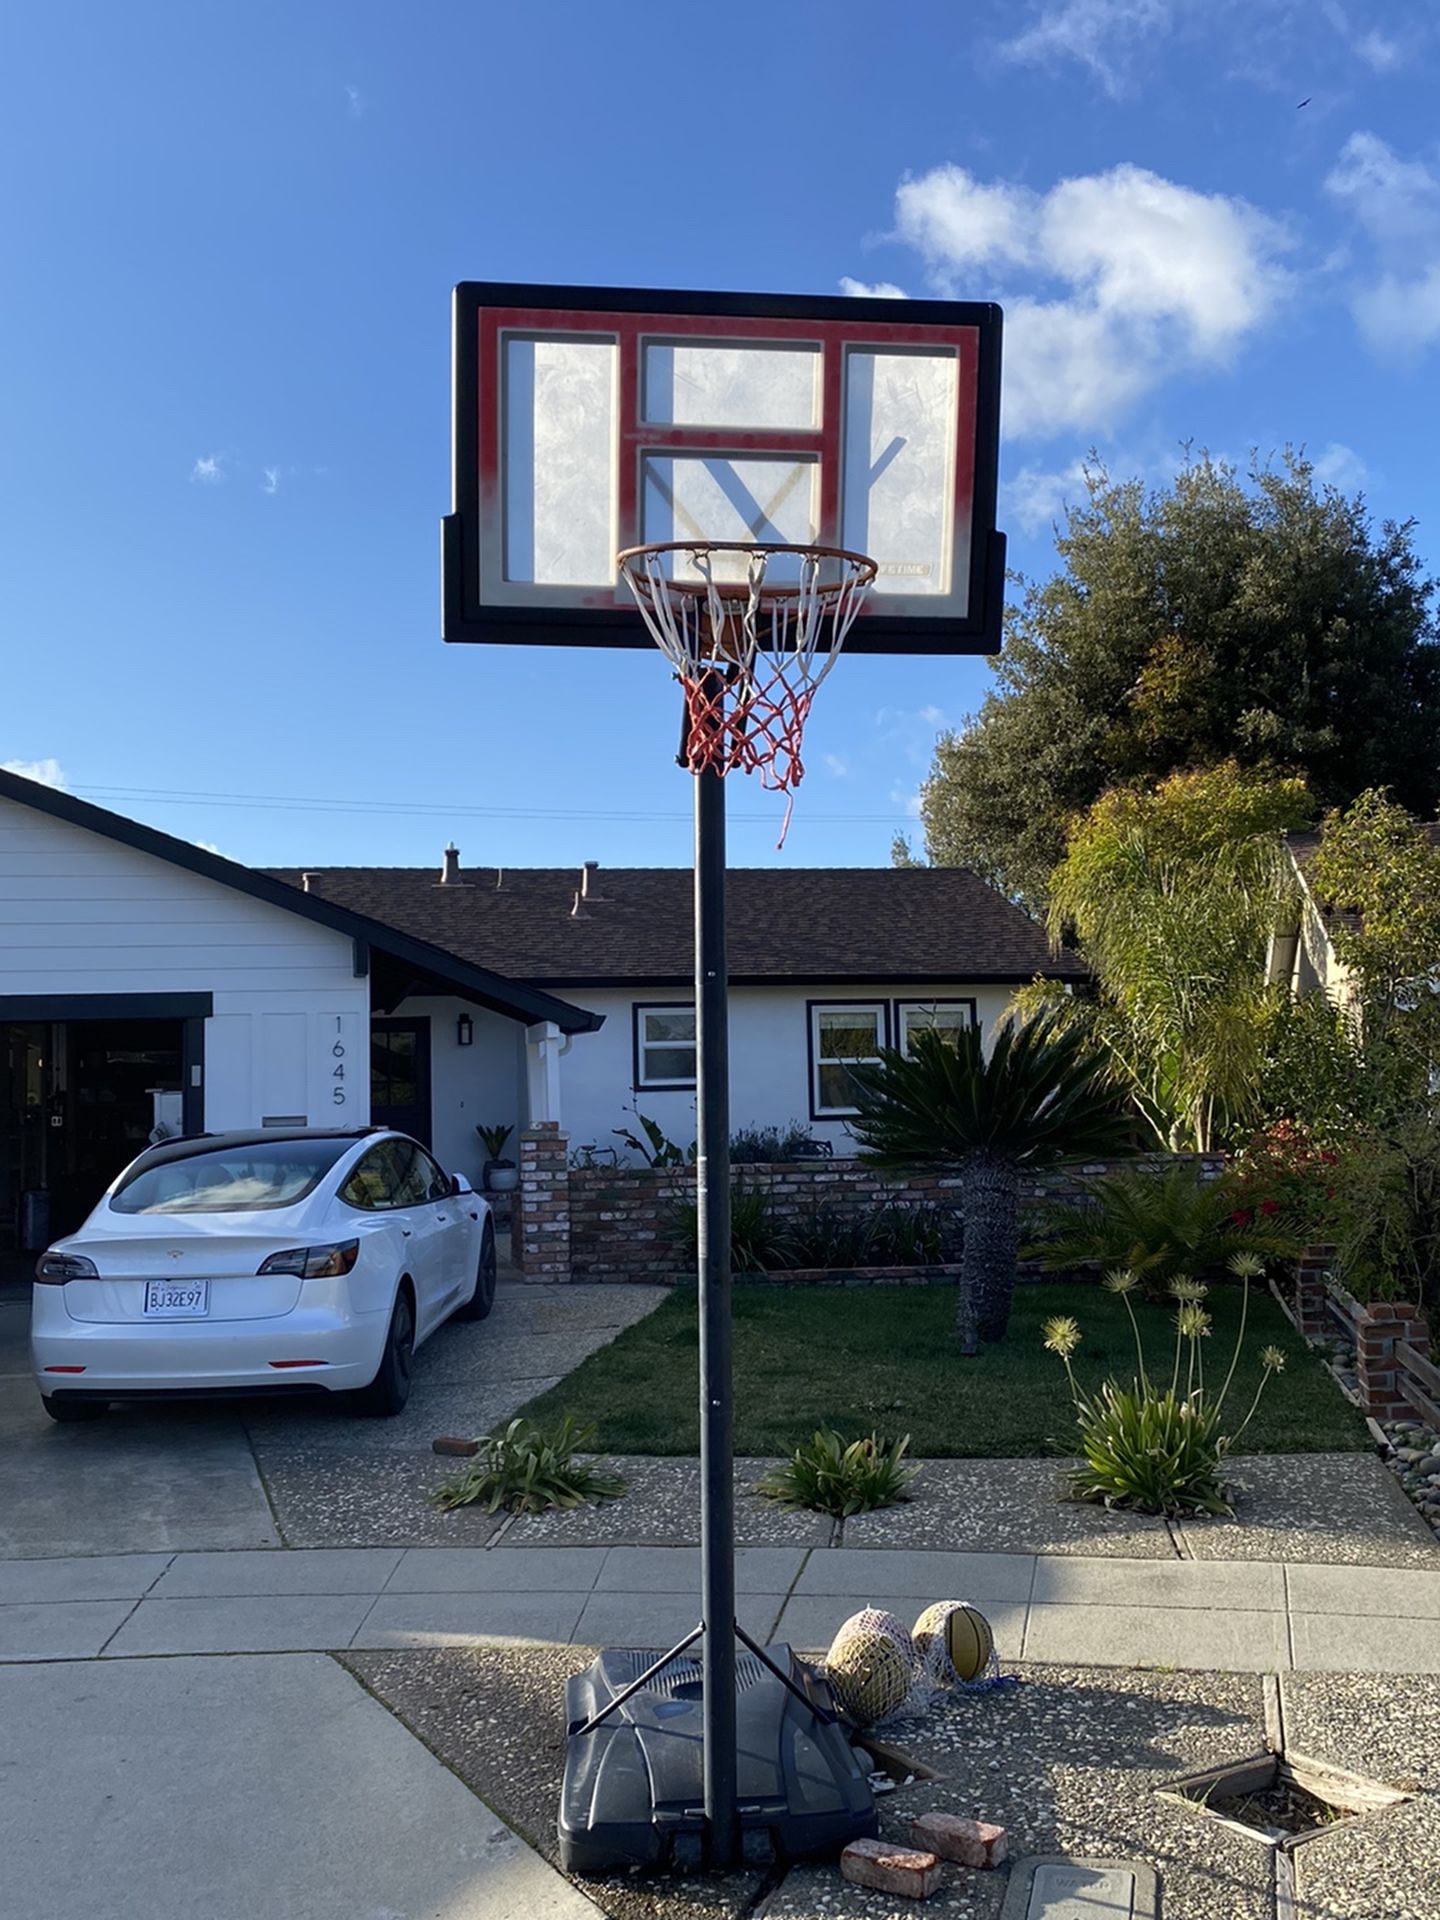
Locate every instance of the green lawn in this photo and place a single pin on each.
(886, 1358)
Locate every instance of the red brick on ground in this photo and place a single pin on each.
(453, 1443)
(890, 1869)
(974, 1843)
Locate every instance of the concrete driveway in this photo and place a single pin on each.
(266, 1473)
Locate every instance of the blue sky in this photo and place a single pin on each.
(229, 237)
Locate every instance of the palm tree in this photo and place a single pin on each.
(1044, 1095)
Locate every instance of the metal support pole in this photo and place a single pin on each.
(717, 1480)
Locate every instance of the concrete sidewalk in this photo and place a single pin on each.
(1235, 1616)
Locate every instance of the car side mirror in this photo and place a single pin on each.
(460, 1184)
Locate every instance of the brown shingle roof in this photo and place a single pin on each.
(813, 924)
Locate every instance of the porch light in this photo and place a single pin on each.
(464, 1030)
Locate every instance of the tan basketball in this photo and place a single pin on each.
(871, 1665)
(954, 1641)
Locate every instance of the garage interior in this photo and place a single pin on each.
(78, 1099)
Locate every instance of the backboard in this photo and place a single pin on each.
(587, 420)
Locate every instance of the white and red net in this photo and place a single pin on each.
(751, 632)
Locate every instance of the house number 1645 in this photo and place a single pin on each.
(337, 1052)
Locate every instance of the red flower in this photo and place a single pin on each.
(1267, 1207)
(1242, 1216)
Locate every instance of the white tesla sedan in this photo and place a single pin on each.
(239, 1263)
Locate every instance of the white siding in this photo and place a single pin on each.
(82, 914)
(478, 1085)
(769, 1059)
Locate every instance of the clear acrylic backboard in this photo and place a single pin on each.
(589, 420)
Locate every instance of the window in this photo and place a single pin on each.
(236, 1179)
(842, 1035)
(949, 1017)
(391, 1175)
(664, 1047)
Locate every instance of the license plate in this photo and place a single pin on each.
(177, 1299)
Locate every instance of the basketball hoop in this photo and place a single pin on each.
(749, 650)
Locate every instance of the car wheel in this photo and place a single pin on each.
(63, 1408)
(390, 1389)
(482, 1300)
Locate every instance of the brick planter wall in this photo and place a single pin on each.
(1378, 1329)
(616, 1224)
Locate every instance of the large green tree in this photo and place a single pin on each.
(1260, 618)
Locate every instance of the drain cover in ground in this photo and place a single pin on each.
(1052, 1887)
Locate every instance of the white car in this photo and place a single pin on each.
(239, 1263)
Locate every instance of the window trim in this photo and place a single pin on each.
(957, 1000)
(638, 1009)
(812, 1058)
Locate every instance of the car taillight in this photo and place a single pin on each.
(54, 1269)
(314, 1263)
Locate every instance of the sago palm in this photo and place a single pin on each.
(1157, 1223)
(1041, 1096)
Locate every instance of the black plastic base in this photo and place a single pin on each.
(634, 1791)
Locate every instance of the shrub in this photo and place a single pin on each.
(526, 1468)
(922, 1235)
(756, 1238)
(1159, 1448)
(829, 1475)
(1159, 1225)
(656, 1149)
(768, 1146)
(1386, 1213)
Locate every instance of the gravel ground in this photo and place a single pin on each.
(1068, 1762)
(1336, 1508)
(322, 1497)
(1006, 1506)
(662, 1508)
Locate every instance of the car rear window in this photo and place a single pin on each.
(234, 1179)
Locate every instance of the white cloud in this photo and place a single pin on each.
(1100, 35)
(1377, 52)
(1151, 277)
(907, 798)
(836, 764)
(1395, 203)
(270, 482)
(208, 470)
(1340, 466)
(1036, 498)
(47, 772)
(931, 716)
(871, 290)
(355, 103)
(209, 846)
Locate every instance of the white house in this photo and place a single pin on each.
(142, 975)
(1302, 952)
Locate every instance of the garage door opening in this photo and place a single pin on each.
(78, 1099)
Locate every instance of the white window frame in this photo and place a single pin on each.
(906, 1009)
(814, 1009)
(644, 1082)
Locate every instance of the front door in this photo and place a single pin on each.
(400, 1076)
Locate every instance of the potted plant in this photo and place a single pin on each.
(501, 1176)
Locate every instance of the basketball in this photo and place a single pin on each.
(954, 1640)
(871, 1665)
